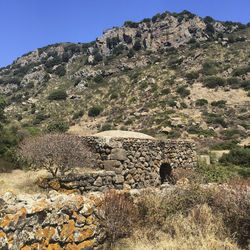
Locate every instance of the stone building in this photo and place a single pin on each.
(129, 160)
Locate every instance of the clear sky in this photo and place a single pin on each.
(30, 24)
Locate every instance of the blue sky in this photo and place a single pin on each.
(30, 24)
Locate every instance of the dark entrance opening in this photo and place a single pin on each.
(165, 172)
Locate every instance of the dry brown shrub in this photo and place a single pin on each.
(233, 201)
(117, 215)
(200, 229)
(58, 153)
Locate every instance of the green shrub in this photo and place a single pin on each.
(131, 24)
(131, 53)
(245, 84)
(174, 62)
(39, 118)
(154, 18)
(229, 134)
(78, 114)
(225, 146)
(118, 50)
(237, 156)
(241, 71)
(129, 122)
(201, 102)
(60, 70)
(233, 82)
(209, 67)
(220, 104)
(106, 126)
(98, 78)
(166, 91)
(114, 96)
(210, 28)
(214, 173)
(171, 103)
(137, 45)
(58, 126)
(94, 111)
(30, 85)
(183, 91)
(214, 81)
(59, 94)
(208, 19)
(192, 75)
(215, 119)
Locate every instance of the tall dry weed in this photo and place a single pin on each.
(200, 229)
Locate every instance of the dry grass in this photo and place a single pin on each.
(201, 229)
(20, 181)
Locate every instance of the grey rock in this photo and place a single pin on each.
(111, 165)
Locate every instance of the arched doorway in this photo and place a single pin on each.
(165, 172)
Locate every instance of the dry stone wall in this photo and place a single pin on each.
(53, 221)
(127, 163)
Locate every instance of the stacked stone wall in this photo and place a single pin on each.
(128, 163)
(54, 221)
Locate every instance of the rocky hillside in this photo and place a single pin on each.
(175, 75)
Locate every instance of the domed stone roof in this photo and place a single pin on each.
(123, 134)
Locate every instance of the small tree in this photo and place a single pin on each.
(58, 153)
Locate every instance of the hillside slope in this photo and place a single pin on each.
(175, 75)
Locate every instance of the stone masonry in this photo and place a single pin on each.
(128, 163)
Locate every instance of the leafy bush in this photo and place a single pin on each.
(245, 84)
(241, 71)
(220, 104)
(127, 39)
(114, 96)
(233, 82)
(39, 117)
(192, 75)
(215, 119)
(214, 173)
(94, 111)
(60, 70)
(183, 91)
(214, 81)
(201, 102)
(237, 156)
(131, 53)
(30, 85)
(209, 68)
(97, 58)
(78, 114)
(174, 62)
(58, 95)
(98, 78)
(137, 45)
(166, 91)
(210, 28)
(118, 50)
(154, 18)
(208, 19)
(106, 126)
(58, 126)
(131, 24)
